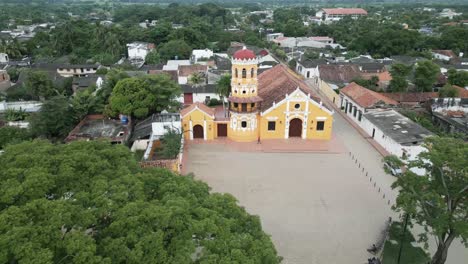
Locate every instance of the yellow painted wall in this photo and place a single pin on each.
(279, 113)
(237, 83)
(198, 117)
(329, 93)
(240, 135)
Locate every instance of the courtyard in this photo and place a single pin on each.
(318, 206)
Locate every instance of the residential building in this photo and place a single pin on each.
(309, 42)
(449, 13)
(451, 114)
(444, 55)
(26, 106)
(323, 39)
(275, 104)
(173, 65)
(273, 36)
(201, 54)
(335, 14)
(356, 100)
(4, 58)
(309, 68)
(198, 93)
(396, 133)
(139, 50)
(186, 71)
(81, 83)
(94, 127)
(77, 70)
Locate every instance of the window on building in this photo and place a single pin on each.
(308, 74)
(271, 125)
(252, 105)
(360, 115)
(297, 106)
(236, 73)
(252, 72)
(320, 125)
(355, 111)
(244, 73)
(244, 124)
(236, 105)
(244, 107)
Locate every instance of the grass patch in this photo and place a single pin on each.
(409, 253)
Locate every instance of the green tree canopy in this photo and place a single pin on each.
(399, 82)
(425, 75)
(438, 200)
(459, 78)
(9, 135)
(153, 58)
(40, 85)
(90, 202)
(55, 119)
(140, 96)
(175, 48)
(448, 91)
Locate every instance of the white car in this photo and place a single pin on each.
(395, 171)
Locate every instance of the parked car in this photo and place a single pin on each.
(395, 171)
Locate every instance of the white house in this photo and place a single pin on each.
(396, 133)
(198, 94)
(335, 14)
(77, 70)
(27, 106)
(4, 58)
(444, 55)
(139, 50)
(309, 68)
(201, 54)
(273, 36)
(356, 100)
(173, 65)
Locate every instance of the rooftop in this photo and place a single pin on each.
(398, 127)
(345, 11)
(364, 97)
(98, 127)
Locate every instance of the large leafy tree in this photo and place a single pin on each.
(39, 84)
(10, 135)
(90, 202)
(438, 200)
(175, 48)
(55, 119)
(399, 82)
(425, 75)
(459, 78)
(140, 96)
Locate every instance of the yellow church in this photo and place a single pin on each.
(276, 104)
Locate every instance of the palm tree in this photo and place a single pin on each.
(196, 79)
(223, 87)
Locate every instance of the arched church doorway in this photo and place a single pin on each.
(295, 127)
(198, 131)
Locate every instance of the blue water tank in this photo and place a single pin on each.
(124, 119)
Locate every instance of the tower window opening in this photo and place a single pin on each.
(244, 92)
(244, 124)
(244, 73)
(252, 72)
(236, 73)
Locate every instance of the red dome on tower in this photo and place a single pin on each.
(244, 54)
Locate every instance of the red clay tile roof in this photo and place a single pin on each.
(345, 11)
(448, 53)
(336, 73)
(462, 92)
(275, 83)
(244, 54)
(187, 70)
(365, 97)
(202, 107)
(383, 76)
(411, 97)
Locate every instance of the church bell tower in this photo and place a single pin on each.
(244, 102)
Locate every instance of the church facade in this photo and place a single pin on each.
(276, 104)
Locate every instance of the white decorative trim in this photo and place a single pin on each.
(275, 105)
(321, 118)
(196, 108)
(204, 130)
(191, 129)
(272, 118)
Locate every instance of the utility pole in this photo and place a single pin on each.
(402, 238)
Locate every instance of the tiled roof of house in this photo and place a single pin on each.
(411, 97)
(308, 63)
(345, 11)
(339, 73)
(448, 53)
(365, 97)
(275, 83)
(372, 66)
(383, 76)
(462, 92)
(172, 74)
(187, 70)
(202, 107)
